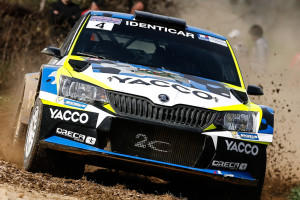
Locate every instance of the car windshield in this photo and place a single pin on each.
(157, 46)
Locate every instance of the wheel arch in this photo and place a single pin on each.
(30, 92)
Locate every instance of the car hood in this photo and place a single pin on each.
(156, 84)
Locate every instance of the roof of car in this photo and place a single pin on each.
(131, 17)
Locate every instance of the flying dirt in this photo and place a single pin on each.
(280, 86)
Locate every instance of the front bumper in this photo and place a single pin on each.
(149, 147)
(98, 156)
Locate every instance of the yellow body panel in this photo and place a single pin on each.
(58, 105)
(237, 66)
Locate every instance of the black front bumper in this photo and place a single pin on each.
(146, 148)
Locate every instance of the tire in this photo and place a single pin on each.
(34, 155)
(38, 159)
(252, 193)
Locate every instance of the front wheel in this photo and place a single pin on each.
(34, 155)
(38, 159)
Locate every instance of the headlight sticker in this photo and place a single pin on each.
(248, 136)
(75, 104)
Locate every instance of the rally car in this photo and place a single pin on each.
(145, 93)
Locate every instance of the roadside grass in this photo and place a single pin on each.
(295, 194)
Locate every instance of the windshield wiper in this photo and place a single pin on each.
(95, 56)
(90, 55)
(146, 65)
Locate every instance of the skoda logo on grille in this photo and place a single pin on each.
(163, 98)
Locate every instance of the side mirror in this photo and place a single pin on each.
(255, 90)
(52, 51)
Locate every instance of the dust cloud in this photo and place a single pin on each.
(281, 85)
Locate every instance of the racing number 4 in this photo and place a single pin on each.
(107, 26)
(104, 26)
(101, 25)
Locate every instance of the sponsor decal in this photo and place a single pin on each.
(49, 80)
(160, 28)
(73, 103)
(154, 145)
(100, 25)
(68, 115)
(180, 88)
(60, 100)
(241, 147)
(230, 165)
(76, 136)
(235, 135)
(218, 172)
(106, 19)
(203, 37)
(212, 39)
(243, 166)
(160, 76)
(90, 140)
(248, 136)
(53, 74)
(229, 175)
(163, 74)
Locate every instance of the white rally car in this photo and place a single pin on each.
(145, 93)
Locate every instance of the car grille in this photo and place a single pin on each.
(156, 142)
(142, 108)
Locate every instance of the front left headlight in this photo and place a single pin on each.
(237, 121)
(81, 91)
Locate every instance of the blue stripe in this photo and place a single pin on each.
(114, 14)
(66, 142)
(269, 130)
(49, 83)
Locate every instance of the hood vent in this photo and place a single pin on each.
(79, 66)
(241, 96)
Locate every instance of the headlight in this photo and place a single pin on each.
(81, 91)
(237, 121)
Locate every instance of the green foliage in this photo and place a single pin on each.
(295, 194)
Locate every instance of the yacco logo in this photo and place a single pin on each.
(160, 83)
(69, 116)
(241, 147)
